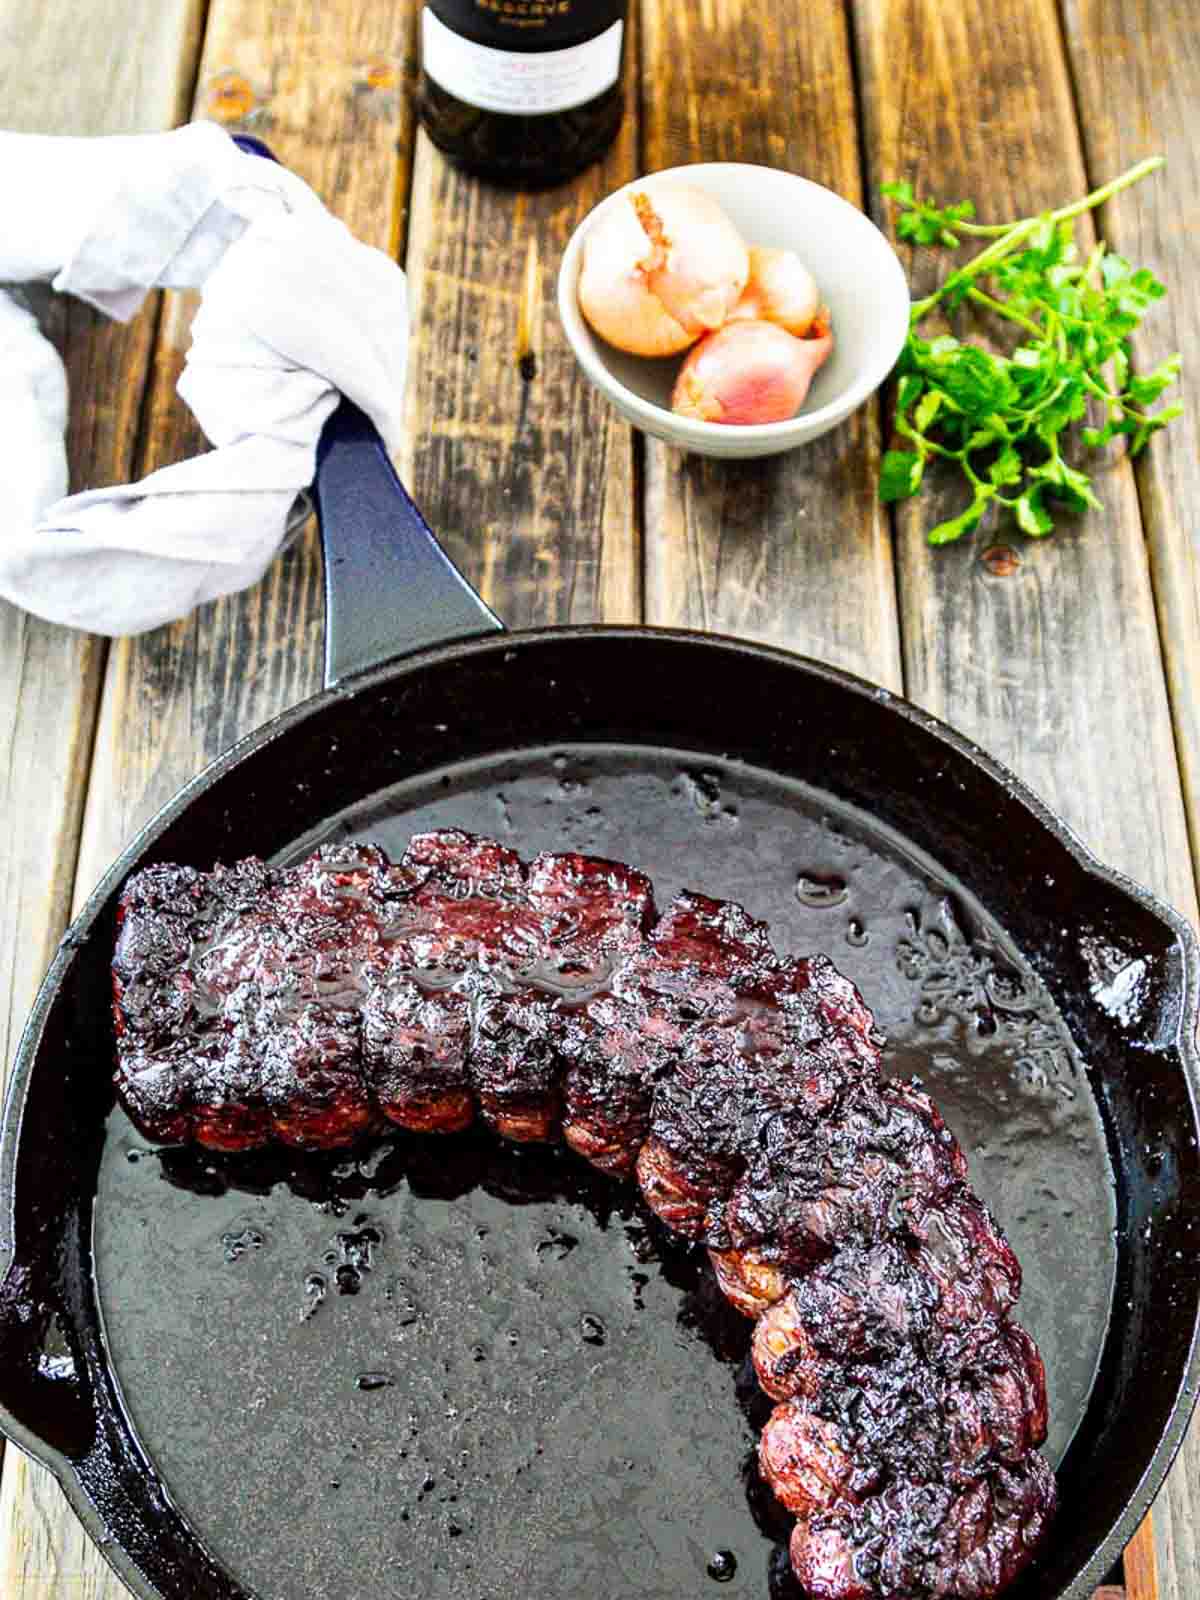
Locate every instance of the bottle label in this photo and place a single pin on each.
(521, 83)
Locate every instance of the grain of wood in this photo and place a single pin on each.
(1056, 667)
(1136, 65)
(1137, 77)
(1171, 1521)
(49, 689)
(1033, 663)
(529, 481)
(792, 549)
(124, 68)
(326, 85)
(97, 66)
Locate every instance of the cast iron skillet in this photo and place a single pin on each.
(181, 1342)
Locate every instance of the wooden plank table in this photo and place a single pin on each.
(1078, 667)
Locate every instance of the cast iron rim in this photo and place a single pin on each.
(1156, 1469)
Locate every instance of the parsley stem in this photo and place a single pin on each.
(1006, 237)
(1047, 400)
(983, 230)
(1135, 174)
(922, 441)
(1002, 310)
(1003, 246)
(1117, 403)
(1100, 391)
(1060, 334)
(997, 230)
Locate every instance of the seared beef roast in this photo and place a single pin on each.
(316, 1003)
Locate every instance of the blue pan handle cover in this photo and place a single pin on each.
(390, 588)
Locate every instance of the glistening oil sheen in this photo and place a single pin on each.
(566, 1457)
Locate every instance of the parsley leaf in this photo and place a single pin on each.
(967, 522)
(1145, 391)
(1006, 420)
(1006, 468)
(925, 223)
(1032, 516)
(900, 474)
(975, 383)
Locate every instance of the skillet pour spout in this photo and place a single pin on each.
(393, 730)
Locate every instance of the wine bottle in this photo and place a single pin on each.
(526, 92)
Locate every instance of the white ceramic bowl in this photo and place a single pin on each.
(857, 272)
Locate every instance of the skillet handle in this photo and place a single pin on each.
(390, 588)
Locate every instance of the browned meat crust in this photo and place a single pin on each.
(315, 1003)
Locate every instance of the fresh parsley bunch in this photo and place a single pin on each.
(1006, 419)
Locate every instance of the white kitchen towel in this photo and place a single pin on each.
(294, 312)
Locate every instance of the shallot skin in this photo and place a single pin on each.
(780, 289)
(748, 372)
(662, 267)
